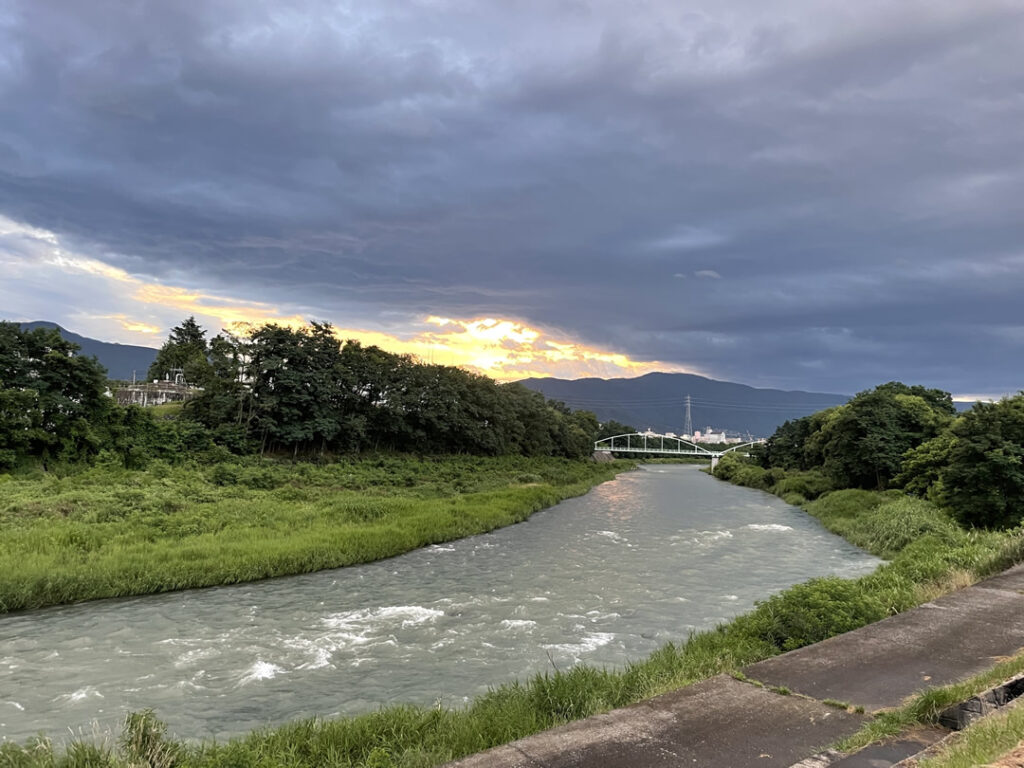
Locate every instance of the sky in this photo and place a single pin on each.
(801, 194)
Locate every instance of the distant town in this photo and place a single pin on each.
(708, 435)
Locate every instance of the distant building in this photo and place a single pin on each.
(156, 393)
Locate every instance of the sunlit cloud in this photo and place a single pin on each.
(507, 349)
(988, 397)
(134, 326)
(97, 299)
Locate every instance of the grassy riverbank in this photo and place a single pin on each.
(106, 531)
(928, 556)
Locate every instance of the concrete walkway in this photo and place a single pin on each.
(730, 724)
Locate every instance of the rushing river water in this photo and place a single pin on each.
(601, 579)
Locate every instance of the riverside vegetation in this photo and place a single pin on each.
(106, 531)
(286, 462)
(928, 555)
(929, 549)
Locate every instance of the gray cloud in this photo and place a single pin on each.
(855, 171)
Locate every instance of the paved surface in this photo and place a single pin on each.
(880, 665)
(889, 752)
(718, 722)
(725, 723)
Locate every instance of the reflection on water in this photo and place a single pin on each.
(601, 579)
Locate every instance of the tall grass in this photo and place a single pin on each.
(106, 531)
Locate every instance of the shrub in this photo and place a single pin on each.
(752, 476)
(812, 612)
(810, 484)
(224, 474)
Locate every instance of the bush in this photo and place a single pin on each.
(225, 474)
(812, 612)
(752, 476)
(984, 481)
(810, 484)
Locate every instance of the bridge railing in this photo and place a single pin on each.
(650, 442)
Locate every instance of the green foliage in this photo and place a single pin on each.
(301, 390)
(279, 390)
(884, 524)
(811, 612)
(921, 470)
(613, 428)
(864, 445)
(808, 485)
(108, 531)
(860, 444)
(52, 403)
(185, 351)
(983, 482)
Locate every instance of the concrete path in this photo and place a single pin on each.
(725, 723)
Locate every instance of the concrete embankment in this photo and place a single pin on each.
(725, 722)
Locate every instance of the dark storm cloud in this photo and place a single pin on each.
(853, 174)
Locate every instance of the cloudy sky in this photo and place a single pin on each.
(791, 193)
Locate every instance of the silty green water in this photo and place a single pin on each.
(600, 579)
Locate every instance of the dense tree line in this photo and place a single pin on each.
(276, 389)
(910, 437)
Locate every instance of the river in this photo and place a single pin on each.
(601, 579)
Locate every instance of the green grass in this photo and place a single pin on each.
(416, 737)
(106, 532)
(925, 708)
(983, 742)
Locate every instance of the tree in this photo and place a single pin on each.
(612, 428)
(292, 379)
(864, 441)
(185, 350)
(52, 402)
(983, 483)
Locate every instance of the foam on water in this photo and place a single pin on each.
(261, 670)
(366, 619)
(589, 643)
(702, 538)
(769, 527)
(517, 624)
(88, 692)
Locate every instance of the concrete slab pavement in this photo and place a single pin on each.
(725, 723)
(879, 665)
(718, 722)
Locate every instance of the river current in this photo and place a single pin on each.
(601, 579)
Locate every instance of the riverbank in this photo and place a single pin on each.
(920, 568)
(111, 532)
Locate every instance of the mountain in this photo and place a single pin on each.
(658, 401)
(119, 359)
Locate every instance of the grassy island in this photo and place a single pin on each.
(106, 531)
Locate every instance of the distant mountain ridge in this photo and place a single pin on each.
(658, 401)
(120, 360)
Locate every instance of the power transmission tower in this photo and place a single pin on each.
(688, 427)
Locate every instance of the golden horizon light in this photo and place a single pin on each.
(142, 308)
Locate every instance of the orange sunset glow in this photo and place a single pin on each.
(144, 309)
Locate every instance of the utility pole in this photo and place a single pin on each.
(688, 427)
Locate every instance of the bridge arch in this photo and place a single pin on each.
(650, 442)
(653, 442)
